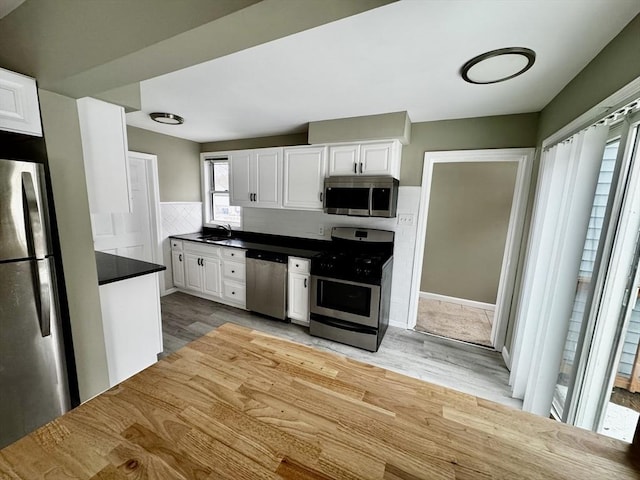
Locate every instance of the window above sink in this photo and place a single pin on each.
(217, 211)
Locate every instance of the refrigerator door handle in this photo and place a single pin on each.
(43, 295)
(33, 215)
(41, 273)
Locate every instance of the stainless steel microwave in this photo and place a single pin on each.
(361, 196)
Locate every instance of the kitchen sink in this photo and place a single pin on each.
(213, 238)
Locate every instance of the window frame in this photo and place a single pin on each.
(208, 191)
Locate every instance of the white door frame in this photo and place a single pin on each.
(153, 192)
(524, 158)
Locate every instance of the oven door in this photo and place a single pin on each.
(347, 200)
(344, 300)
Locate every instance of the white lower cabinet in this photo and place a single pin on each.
(132, 325)
(177, 265)
(298, 290)
(211, 272)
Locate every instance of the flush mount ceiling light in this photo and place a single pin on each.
(166, 118)
(498, 65)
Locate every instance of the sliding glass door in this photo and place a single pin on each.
(606, 287)
(590, 264)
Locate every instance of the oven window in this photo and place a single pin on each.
(343, 297)
(351, 198)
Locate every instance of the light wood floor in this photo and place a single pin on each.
(452, 320)
(238, 404)
(466, 368)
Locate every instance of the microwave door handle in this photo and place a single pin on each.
(370, 200)
(41, 271)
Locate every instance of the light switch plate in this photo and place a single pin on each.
(321, 230)
(406, 219)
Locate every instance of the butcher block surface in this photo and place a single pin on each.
(239, 404)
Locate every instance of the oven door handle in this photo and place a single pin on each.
(343, 325)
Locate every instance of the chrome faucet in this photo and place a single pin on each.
(226, 228)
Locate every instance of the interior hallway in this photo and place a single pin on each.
(452, 320)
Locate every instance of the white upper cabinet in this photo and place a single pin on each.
(256, 178)
(104, 146)
(240, 187)
(19, 108)
(268, 178)
(374, 158)
(344, 159)
(304, 172)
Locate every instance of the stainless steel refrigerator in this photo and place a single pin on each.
(34, 383)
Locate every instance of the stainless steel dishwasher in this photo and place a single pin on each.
(267, 283)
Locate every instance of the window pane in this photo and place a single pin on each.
(222, 211)
(221, 176)
(580, 312)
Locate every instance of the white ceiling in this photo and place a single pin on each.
(403, 56)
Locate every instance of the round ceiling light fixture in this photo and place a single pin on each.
(166, 118)
(498, 65)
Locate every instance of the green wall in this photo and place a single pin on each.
(259, 142)
(64, 149)
(178, 163)
(504, 131)
(469, 211)
(615, 66)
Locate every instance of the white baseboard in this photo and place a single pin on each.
(506, 357)
(169, 291)
(398, 323)
(458, 301)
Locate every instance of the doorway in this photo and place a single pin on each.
(469, 230)
(133, 234)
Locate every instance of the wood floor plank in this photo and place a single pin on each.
(239, 404)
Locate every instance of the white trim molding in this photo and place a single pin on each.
(458, 301)
(524, 158)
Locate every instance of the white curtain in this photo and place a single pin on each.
(567, 181)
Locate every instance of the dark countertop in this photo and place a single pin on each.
(291, 246)
(113, 268)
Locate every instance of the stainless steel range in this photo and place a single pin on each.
(351, 287)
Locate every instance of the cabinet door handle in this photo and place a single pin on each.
(355, 168)
(233, 254)
(360, 167)
(297, 265)
(180, 257)
(233, 271)
(233, 293)
(321, 194)
(305, 283)
(255, 197)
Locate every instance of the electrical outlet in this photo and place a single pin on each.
(321, 230)
(406, 218)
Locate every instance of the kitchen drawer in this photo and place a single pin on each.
(299, 265)
(236, 254)
(202, 249)
(234, 292)
(233, 271)
(176, 244)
